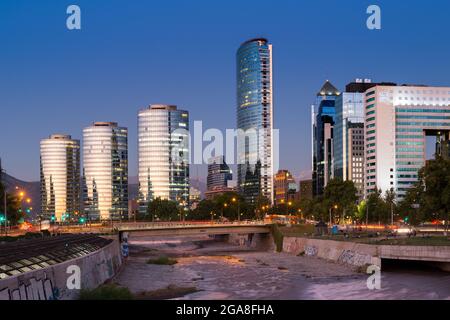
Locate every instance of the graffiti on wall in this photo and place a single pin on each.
(310, 251)
(32, 289)
(354, 258)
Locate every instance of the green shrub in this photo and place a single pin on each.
(162, 261)
(106, 292)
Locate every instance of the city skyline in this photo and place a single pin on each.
(105, 96)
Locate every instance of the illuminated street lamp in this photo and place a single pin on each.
(333, 207)
(224, 206)
(238, 209)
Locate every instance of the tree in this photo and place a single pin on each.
(204, 209)
(361, 210)
(378, 210)
(342, 194)
(389, 199)
(163, 209)
(430, 197)
(13, 207)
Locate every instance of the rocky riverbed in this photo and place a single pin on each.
(208, 269)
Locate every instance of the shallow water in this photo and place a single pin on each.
(223, 271)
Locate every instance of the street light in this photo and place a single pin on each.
(224, 206)
(238, 209)
(287, 207)
(333, 207)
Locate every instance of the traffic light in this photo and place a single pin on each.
(53, 218)
(82, 220)
(2, 218)
(406, 219)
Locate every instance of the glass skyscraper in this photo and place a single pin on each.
(105, 171)
(255, 119)
(163, 152)
(219, 173)
(323, 119)
(60, 177)
(348, 135)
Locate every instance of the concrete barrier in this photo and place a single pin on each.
(351, 253)
(359, 254)
(51, 283)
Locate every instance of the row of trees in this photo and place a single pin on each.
(230, 206)
(427, 200)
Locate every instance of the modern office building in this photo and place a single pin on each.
(60, 177)
(323, 120)
(306, 189)
(255, 118)
(105, 171)
(397, 121)
(354, 159)
(219, 173)
(285, 187)
(348, 134)
(163, 152)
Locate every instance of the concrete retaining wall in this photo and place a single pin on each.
(51, 283)
(358, 254)
(354, 254)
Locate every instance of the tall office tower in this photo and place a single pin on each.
(397, 121)
(255, 118)
(60, 177)
(323, 119)
(306, 189)
(219, 173)
(105, 171)
(285, 187)
(163, 151)
(348, 138)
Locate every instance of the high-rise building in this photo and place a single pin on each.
(105, 171)
(323, 119)
(163, 151)
(219, 173)
(285, 187)
(306, 189)
(255, 118)
(397, 121)
(60, 177)
(348, 134)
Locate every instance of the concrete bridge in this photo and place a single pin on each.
(143, 229)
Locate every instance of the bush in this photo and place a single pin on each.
(162, 261)
(106, 292)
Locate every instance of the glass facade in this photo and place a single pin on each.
(404, 116)
(219, 173)
(60, 177)
(105, 171)
(323, 119)
(255, 114)
(163, 152)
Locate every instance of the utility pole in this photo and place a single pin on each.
(2, 172)
(367, 215)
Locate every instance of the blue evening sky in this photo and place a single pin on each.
(133, 53)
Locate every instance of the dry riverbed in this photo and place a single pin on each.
(207, 269)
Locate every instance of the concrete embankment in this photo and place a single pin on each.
(359, 254)
(59, 281)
